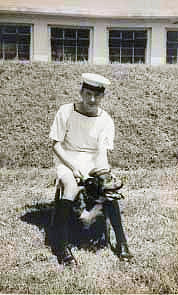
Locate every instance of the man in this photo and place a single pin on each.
(82, 133)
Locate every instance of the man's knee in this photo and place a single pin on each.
(69, 184)
(68, 178)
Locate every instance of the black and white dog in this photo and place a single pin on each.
(91, 205)
(85, 222)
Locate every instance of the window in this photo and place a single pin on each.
(15, 41)
(70, 44)
(172, 47)
(127, 46)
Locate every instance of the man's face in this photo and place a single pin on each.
(91, 101)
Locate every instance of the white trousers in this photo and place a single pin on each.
(85, 162)
(68, 181)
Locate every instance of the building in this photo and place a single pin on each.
(100, 32)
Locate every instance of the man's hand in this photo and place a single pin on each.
(77, 173)
(61, 153)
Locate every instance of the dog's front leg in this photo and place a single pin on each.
(89, 217)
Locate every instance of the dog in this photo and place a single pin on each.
(89, 205)
(85, 222)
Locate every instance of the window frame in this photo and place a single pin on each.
(63, 39)
(172, 48)
(132, 40)
(17, 34)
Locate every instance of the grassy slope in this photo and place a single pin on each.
(142, 101)
(149, 214)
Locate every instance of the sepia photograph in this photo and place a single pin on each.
(89, 155)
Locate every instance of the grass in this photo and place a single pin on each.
(142, 100)
(150, 220)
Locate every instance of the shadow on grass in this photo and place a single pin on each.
(91, 237)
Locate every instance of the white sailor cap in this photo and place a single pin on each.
(95, 80)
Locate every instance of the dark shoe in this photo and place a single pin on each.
(124, 252)
(66, 257)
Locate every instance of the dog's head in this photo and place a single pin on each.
(100, 182)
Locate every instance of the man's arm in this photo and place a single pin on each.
(101, 160)
(61, 154)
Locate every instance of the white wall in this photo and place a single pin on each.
(41, 48)
(99, 8)
(158, 44)
(99, 51)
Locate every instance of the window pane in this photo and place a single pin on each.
(128, 43)
(57, 53)
(69, 34)
(82, 57)
(82, 53)
(140, 34)
(130, 46)
(69, 50)
(172, 44)
(0, 34)
(23, 52)
(82, 50)
(126, 59)
(115, 58)
(114, 34)
(83, 34)
(172, 51)
(24, 42)
(56, 33)
(114, 54)
(9, 29)
(10, 50)
(127, 51)
(74, 46)
(83, 43)
(172, 36)
(172, 59)
(70, 53)
(70, 43)
(57, 50)
(10, 38)
(24, 30)
(115, 42)
(113, 50)
(1, 53)
(24, 39)
(139, 59)
(172, 47)
(127, 35)
(140, 43)
(16, 41)
(139, 51)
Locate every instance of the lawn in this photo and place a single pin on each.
(150, 220)
(142, 101)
